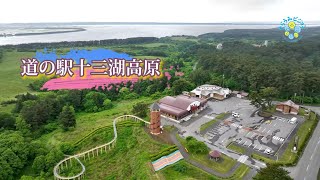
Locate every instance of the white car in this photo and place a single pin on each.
(236, 115)
(293, 120)
(267, 151)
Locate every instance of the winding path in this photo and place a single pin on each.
(92, 152)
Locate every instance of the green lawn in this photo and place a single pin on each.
(240, 172)
(88, 122)
(222, 166)
(236, 148)
(212, 122)
(129, 158)
(11, 83)
(182, 170)
(205, 126)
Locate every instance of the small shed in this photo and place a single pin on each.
(215, 155)
(288, 107)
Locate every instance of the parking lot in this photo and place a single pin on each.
(265, 135)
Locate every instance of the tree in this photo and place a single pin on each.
(124, 92)
(67, 117)
(263, 98)
(196, 146)
(52, 158)
(273, 172)
(107, 104)
(14, 152)
(23, 127)
(269, 94)
(7, 121)
(39, 163)
(181, 85)
(140, 109)
(200, 77)
(94, 101)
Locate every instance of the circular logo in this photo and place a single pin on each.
(292, 28)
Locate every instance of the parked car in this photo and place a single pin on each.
(293, 120)
(267, 151)
(236, 115)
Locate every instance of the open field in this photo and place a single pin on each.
(129, 158)
(235, 148)
(184, 171)
(11, 83)
(88, 122)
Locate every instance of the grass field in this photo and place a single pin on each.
(212, 122)
(236, 148)
(129, 158)
(185, 171)
(11, 83)
(87, 122)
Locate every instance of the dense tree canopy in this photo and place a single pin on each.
(292, 68)
(7, 121)
(14, 152)
(273, 172)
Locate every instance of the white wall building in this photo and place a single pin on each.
(210, 91)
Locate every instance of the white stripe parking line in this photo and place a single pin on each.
(268, 131)
(255, 146)
(275, 124)
(264, 129)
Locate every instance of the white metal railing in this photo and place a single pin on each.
(56, 169)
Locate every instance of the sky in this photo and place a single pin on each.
(183, 11)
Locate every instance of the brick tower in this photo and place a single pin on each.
(155, 122)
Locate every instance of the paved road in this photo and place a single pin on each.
(309, 164)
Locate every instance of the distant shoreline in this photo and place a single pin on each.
(153, 23)
(44, 33)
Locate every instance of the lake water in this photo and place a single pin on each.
(99, 32)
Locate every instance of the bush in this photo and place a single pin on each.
(67, 148)
(196, 146)
(50, 127)
(37, 84)
(182, 168)
(12, 101)
(107, 104)
(156, 95)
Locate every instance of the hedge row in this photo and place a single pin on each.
(164, 152)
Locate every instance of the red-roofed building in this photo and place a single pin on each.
(180, 106)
